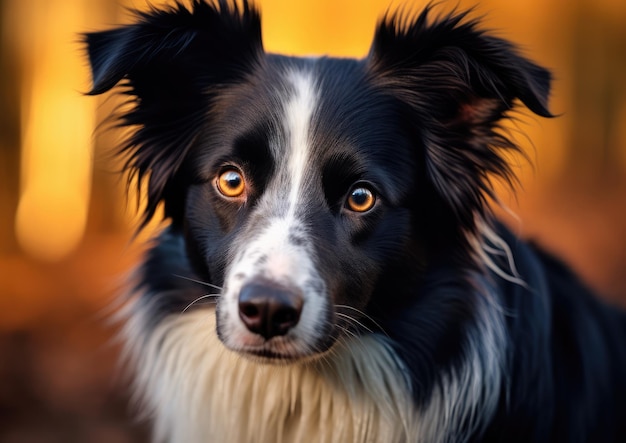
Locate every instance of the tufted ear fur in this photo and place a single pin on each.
(170, 63)
(458, 83)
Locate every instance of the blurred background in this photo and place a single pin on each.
(66, 228)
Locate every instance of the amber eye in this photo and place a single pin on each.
(361, 199)
(231, 183)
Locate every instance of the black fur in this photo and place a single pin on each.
(180, 58)
(419, 116)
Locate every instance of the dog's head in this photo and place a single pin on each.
(313, 188)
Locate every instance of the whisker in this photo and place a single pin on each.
(200, 282)
(348, 332)
(354, 321)
(363, 314)
(198, 299)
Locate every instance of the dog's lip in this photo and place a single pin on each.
(276, 350)
(271, 355)
(268, 352)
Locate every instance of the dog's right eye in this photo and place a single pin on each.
(230, 183)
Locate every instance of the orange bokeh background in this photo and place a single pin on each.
(66, 228)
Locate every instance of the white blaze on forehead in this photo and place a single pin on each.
(299, 111)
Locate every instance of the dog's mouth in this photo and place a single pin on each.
(269, 356)
(282, 350)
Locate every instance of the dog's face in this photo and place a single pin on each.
(312, 189)
(306, 170)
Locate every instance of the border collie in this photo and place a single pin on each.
(331, 270)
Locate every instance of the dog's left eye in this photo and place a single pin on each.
(361, 199)
(231, 183)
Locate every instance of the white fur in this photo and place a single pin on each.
(199, 391)
(298, 113)
(488, 243)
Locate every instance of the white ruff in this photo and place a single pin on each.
(199, 391)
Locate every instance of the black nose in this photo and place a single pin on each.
(269, 309)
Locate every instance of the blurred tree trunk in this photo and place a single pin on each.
(9, 135)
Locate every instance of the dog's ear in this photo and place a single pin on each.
(458, 84)
(171, 62)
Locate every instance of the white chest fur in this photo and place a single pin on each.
(198, 391)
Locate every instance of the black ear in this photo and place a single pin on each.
(171, 63)
(458, 84)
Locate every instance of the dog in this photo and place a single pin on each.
(331, 269)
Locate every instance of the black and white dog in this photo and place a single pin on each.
(334, 213)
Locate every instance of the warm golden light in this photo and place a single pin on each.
(338, 28)
(58, 123)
